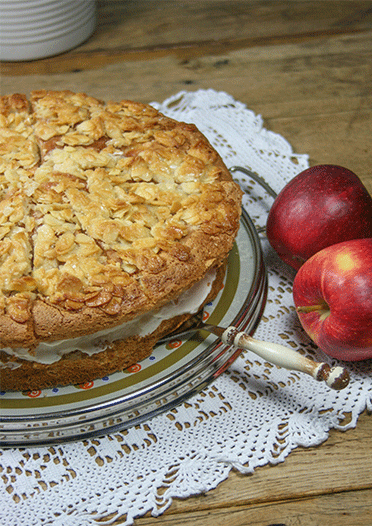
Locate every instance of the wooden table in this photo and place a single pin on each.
(306, 67)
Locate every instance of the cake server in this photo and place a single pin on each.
(335, 377)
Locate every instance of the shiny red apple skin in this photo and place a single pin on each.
(338, 279)
(321, 206)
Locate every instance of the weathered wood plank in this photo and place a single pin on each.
(142, 30)
(341, 509)
(147, 24)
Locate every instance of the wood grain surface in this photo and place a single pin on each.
(306, 68)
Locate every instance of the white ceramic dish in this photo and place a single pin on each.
(40, 28)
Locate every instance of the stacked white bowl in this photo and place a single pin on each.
(34, 29)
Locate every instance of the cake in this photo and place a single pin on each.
(115, 226)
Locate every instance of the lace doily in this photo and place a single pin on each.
(251, 415)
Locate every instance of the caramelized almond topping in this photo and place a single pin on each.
(99, 199)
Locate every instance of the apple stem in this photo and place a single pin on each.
(311, 308)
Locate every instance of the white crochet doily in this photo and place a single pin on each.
(251, 415)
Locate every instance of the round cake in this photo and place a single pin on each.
(116, 223)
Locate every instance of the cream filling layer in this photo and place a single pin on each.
(50, 352)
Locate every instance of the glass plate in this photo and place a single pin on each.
(172, 373)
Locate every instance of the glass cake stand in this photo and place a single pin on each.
(173, 373)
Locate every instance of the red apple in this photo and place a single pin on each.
(332, 292)
(321, 206)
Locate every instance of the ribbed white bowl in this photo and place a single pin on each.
(33, 29)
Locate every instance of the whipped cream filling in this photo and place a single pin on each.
(50, 352)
